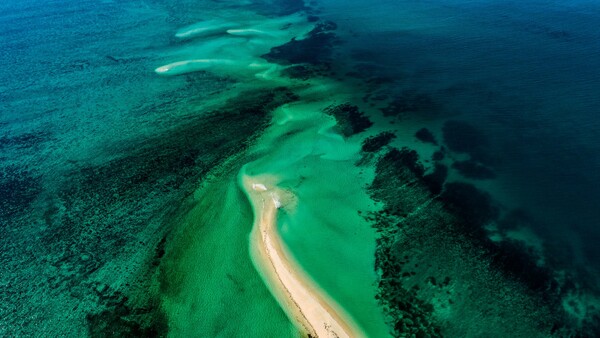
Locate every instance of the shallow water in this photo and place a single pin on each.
(212, 288)
(99, 158)
(124, 126)
(335, 248)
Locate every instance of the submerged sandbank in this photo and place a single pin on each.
(304, 302)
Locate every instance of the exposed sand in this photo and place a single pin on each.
(188, 66)
(312, 310)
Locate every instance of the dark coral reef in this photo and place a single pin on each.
(350, 119)
(315, 48)
(112, 218)
(425, 135)
(438, 268)
(375, 143)
(410, 102)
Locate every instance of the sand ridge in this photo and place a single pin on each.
(304, 302)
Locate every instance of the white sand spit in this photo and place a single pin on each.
(304, 302)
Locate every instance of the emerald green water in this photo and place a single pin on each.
(125, 127)
(122, 143)
(324, 230)
(212, 288)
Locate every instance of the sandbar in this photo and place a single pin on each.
(312, 310)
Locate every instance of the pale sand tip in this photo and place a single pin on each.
(246, 32)
(259, 187)
(276, 200)
(189, 66)
(205, 28)
(163, 69)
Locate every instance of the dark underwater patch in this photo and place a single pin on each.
(349, 119)
(102, 214)
(416, 223)
(426, 136)
(462, 137)
(435, 180)
(373, 75)
(474, 207)
(398, 168)
(19, 187)
(312, 18)
(374, 143)
(518, 261)
(405, 158)
(396, 173)
(26, 140)
(316, 48)
(474, 170)
(305, 71)
(119, 319)
(470, 208)
(410, 102)
(438, 156)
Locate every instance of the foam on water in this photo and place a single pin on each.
(205, 28)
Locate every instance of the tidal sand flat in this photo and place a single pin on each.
(315, 313)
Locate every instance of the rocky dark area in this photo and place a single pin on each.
(315, 48)
(410, 102)
(432, 244)
(426, 136)
(19, 187)
(438, 155)
(463, 138)
(101, 216)
(306, 71)
(375, 143)
(350, 119)
(474, 170)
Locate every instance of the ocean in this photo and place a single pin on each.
(443, 157)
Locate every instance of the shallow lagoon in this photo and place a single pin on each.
(125, 127)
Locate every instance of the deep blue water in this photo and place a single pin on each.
(527, 75)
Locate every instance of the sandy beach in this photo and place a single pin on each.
(303, 301)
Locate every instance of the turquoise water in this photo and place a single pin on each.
(211, 287)
(316, 165)
(124, 126)
(98, 156)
